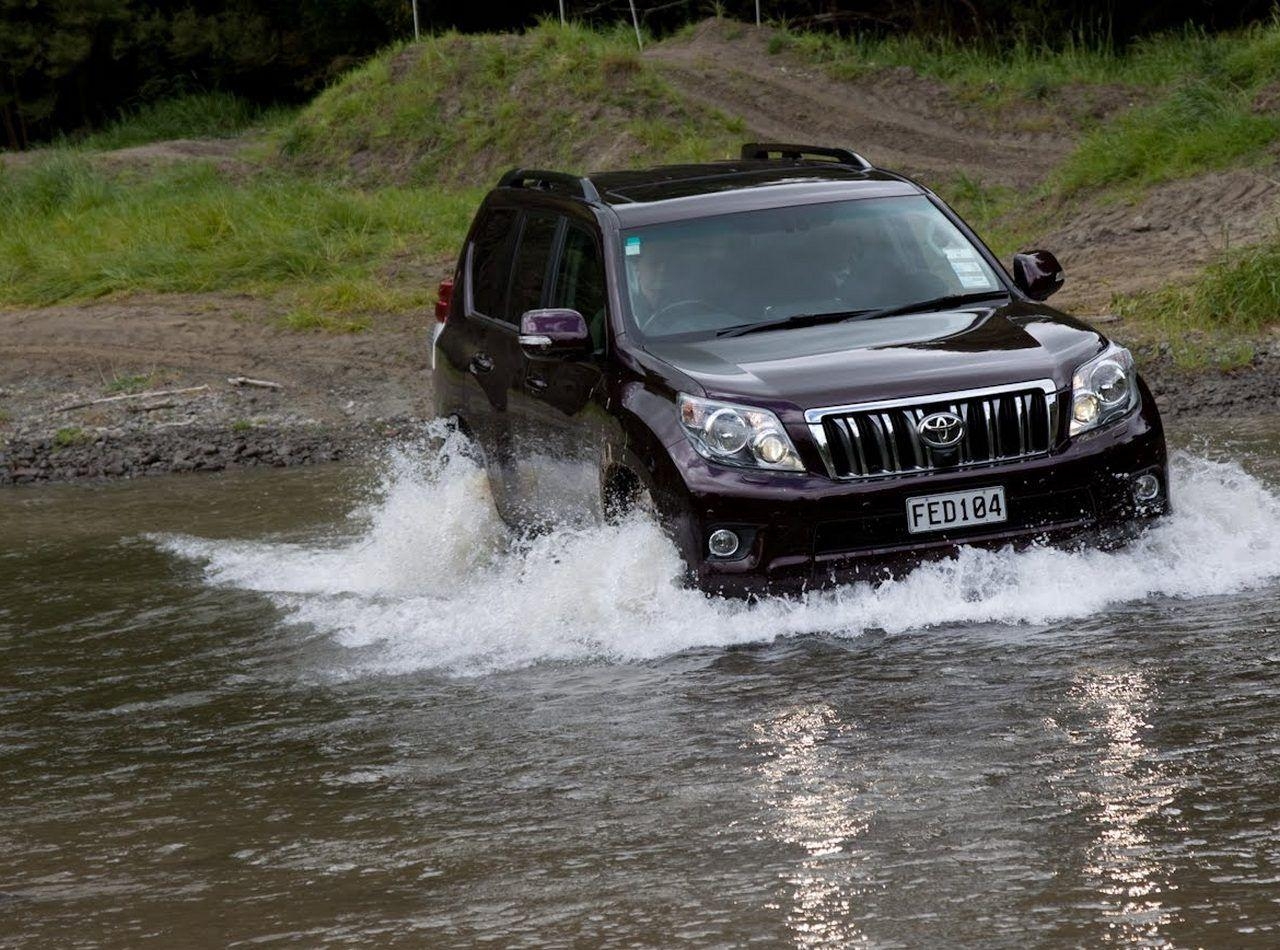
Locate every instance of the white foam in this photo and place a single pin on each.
(428, 577)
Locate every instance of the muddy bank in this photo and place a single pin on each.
(212, 430)
(1209, 393)
(151, 385)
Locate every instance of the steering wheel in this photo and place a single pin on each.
(675, 307)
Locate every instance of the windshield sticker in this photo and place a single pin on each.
(633, 246)
(967, 267)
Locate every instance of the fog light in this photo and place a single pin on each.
(723, 543)
(1146, 488)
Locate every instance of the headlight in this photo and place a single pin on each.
(737, 435)
(1103, 390)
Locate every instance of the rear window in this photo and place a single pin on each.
(490, 256)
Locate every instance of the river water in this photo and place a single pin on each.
(345, 707)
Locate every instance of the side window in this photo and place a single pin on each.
(490, 254)
(580, 281)
(537, 239)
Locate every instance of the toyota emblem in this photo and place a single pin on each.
(941, 430)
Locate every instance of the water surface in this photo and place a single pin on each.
(345, 707)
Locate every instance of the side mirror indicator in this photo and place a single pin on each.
(554, 332)
(1037, 274)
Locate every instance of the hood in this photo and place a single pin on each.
(908, 355)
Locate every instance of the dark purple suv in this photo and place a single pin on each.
(810, 368)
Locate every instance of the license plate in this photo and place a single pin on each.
(956, 509)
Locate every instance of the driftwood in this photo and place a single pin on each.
(259, 383)
(147, 395)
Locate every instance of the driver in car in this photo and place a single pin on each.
(662, 274)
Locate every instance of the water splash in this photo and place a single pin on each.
(427, 577)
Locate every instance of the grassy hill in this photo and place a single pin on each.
(354, 205)
(460, 110)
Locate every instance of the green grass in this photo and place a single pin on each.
(68, 436)
(1215, 319)
(997, 73)
(200, 115)
(997, 213)
(1240, 293)
(463, 109)
(1199, 127)
(307, 318)
(129, 383)
(87, 232)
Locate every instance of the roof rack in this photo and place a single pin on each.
(550, 181)
(766, 151)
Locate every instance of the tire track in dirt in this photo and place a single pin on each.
(898, 120)
(1167, 236)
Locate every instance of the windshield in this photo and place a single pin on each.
(705, 275)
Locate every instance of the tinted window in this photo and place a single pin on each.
(490, 253)
(536, 242)
(580, 283)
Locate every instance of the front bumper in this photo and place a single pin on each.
(807, 531)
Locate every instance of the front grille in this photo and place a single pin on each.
(878, 439)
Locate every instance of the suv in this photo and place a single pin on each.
(810, 368)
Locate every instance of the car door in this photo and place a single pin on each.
(517, 492)
(561, 439)
(481, 348)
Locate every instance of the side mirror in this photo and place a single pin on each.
(557, 332)
(1037, 274)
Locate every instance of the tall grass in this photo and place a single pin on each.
(1239, 293)
(1199, 127)
(199, 115)
(85, 233)
(1019, 68)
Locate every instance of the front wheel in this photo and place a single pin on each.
(624, 496)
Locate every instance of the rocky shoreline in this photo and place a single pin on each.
(113, 453)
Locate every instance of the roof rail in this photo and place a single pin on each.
(550, 181)
(765, 151)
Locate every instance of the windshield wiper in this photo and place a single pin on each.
(795, 320)
(937, 303)
(869, 313)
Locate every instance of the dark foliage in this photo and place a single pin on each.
(73, 64)
(69, 65)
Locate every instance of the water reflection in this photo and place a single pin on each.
(1129, 789)
(816, 802)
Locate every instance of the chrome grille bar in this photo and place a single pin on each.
(870, 440)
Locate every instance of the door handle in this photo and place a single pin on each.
(537, 385)
(481, 364)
